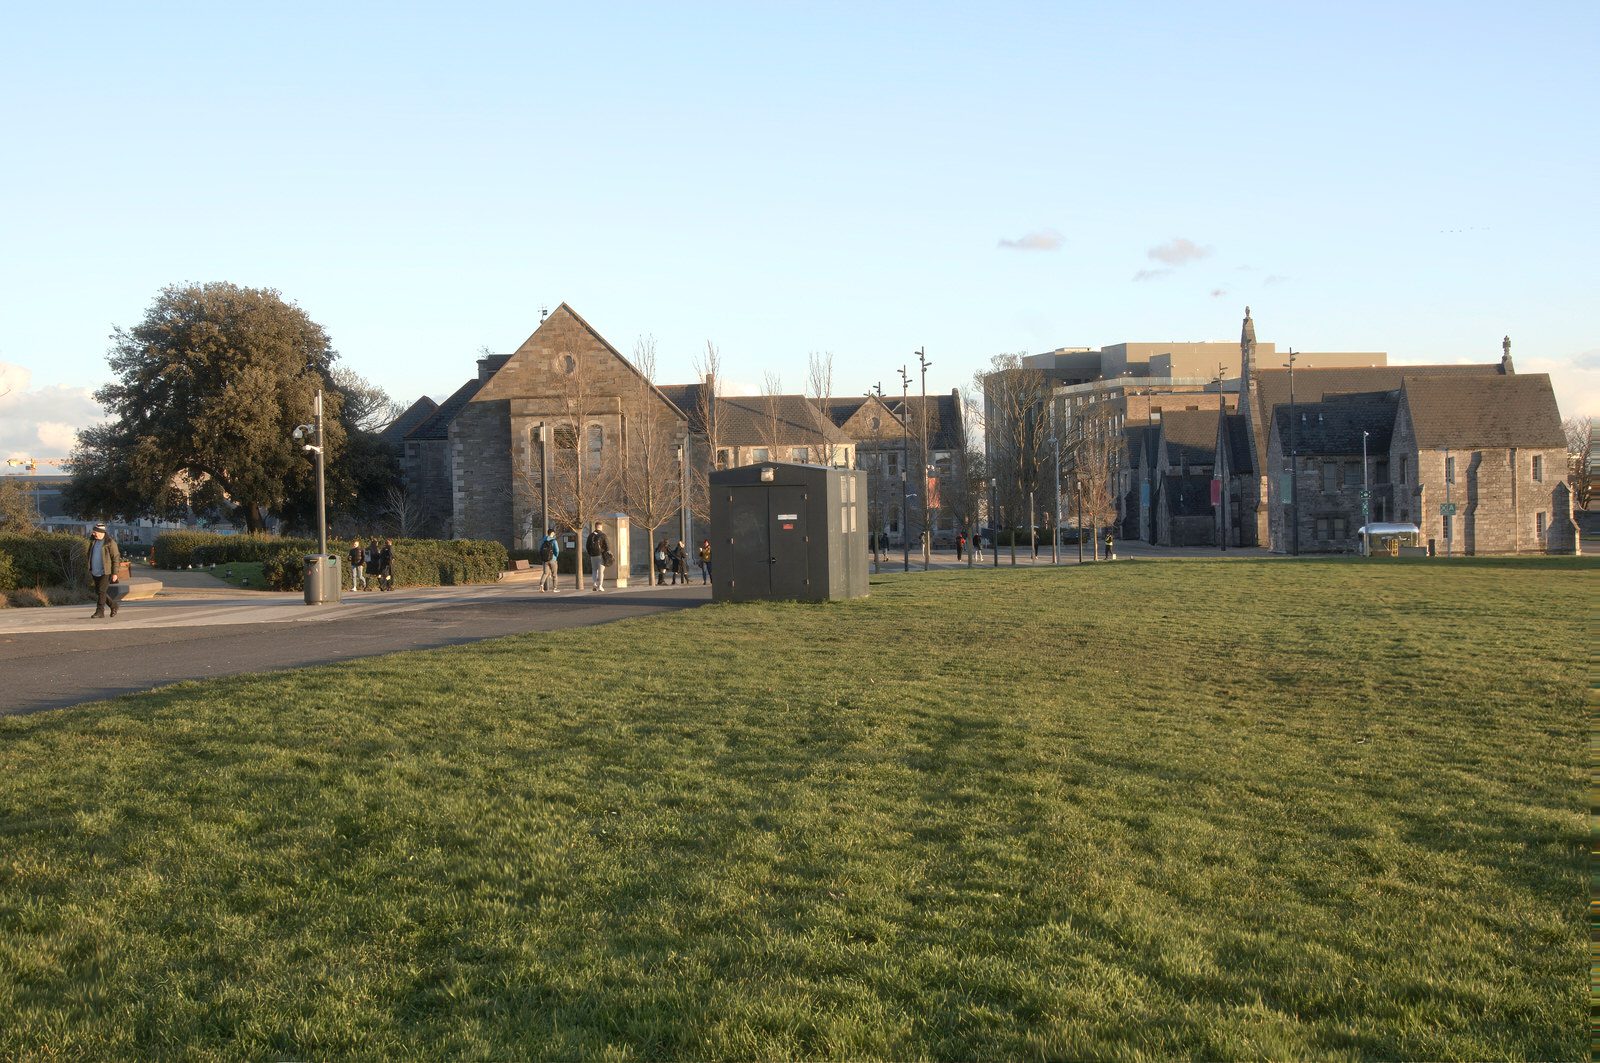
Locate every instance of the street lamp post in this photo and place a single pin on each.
(544, 479)
(1078, 490)
(1294, 463)
(1055, 531)
(994, 521)
(927, 470)
(905, 468)
(1366, 494)
(322, 493)
(683, 494)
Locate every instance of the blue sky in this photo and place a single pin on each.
(1413, 178)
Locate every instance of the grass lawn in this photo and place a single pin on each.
(246, 574)
(1241, 809)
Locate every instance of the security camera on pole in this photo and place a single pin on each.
(322, 582)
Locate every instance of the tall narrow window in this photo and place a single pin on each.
(1449, 470)
(1538, 525)
(597, 440)
(1404, 464)
(1538, 467)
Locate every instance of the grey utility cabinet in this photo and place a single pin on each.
(788, 531)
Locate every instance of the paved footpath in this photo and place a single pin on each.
(55, 657)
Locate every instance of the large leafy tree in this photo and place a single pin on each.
(210, 384)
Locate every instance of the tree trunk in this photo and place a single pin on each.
(254, 521)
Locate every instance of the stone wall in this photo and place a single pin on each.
(480, 473)
(425, 471)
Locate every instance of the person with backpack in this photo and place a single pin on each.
(598, 547)
(705, 560)
(549, 551)
(961, 544)
(661, 563)
(358, 567)
(680, 564)
(386, 566)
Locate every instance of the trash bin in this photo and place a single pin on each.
(322, 578)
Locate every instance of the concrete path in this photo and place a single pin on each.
(56, 657)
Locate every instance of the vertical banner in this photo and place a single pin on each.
(1216, 492)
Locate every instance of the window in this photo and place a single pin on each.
(1404, 462)
(876, 424)
(1322, 528)
(1538, 467)
(758, 454)
(1447, 524)
(566, 437)
(1330, 480)
(1341, 528)
(1380, 471)
(1380, 509)
(841, 458)
(1538, 524)
(797, 454)
(597, 441)
(1449, 470)
(722, 457)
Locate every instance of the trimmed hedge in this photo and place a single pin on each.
(417, 563)
(8, 574)
(49, 559)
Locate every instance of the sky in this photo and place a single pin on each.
(971, 179)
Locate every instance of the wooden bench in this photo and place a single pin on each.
(520, 565)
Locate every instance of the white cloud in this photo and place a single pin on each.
(1179, 252)
(41, 422)
(1576, 380)
(1151, 274)
(1038, 240)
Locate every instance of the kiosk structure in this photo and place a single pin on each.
(781, 530)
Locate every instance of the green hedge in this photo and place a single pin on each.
(44, 560)
(418, 562)
(8, 573)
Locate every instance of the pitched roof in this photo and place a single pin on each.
(686, 397)
(1271, 387)
(415, 414)
(1335, 426)
(944, 419)
(841, 410)
(1240, 457)
(438, 425)
(744, 420)
(1190, 436)
(1508, 411)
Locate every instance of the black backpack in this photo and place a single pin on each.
(545, 552)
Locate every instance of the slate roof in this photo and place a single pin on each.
(742, 421)
(1271, 387)
(1510, 411)
(686, 397)
(841, 410)
(1187, 496)
(438, 425)
(944, 419)
(1240, 457)
(1335, 426)
(415, 414)
(1190, 436)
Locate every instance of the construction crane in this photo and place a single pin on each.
(32, 464)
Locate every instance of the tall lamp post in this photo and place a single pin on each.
(683, 494)
(1294, 463)
(1055, 529)
(544, 479)
(905, 468)
(927, 469)
(1366, 494)
(314, 594)
(994, 520)
(1078, 490)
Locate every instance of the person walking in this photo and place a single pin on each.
(705, 561)
(358, 567)
(104, 561)
(661, 563)
(386, 566)
(549, 550)
(598, 547)
(977, 547)
(1111, 553)
(680, 564)
(374, 560)
(961, 544)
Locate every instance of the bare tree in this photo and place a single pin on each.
(406, 512)
(770, 423)
(963, 494)
(586, 460)
(709, 370)
(1016, 427)
(1580, 441)
(820, 378)
(1095, 445)
(653, 477)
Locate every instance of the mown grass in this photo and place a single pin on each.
(1244, 809)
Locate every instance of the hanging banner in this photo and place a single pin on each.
(1216, 492)
(933, 493)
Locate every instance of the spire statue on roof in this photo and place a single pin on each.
(1505, 357)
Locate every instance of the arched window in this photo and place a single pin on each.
(566, 437)
(596, 443)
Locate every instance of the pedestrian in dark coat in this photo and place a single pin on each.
(661, 563)
(705, 560)
(104, 561)
(680, 564)
(386, 566)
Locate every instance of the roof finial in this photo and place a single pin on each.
(544, 312)
(1505, 356)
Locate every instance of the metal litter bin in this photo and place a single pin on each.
(322, 578)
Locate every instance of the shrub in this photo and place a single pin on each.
(417, 562)
(54, 558)
(29, 597)
(8, 574)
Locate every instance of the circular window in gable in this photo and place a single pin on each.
(568, 364)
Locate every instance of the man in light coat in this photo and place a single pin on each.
(104, 562)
